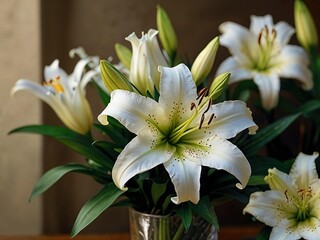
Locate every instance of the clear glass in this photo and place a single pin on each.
(154, 227)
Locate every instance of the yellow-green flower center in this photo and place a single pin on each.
(184, 128)
(302, 203)
(267, 49)
(54, 85)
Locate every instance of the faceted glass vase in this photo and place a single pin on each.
(155, 227)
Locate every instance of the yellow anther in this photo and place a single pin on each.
(56, 85)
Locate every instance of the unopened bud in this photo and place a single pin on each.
(218, 85)
(124, 54)
(203, 64)
(305, 26)
(167, 34)
(112, 78)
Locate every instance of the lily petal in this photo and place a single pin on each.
(269, 88)
(237, 39)
(130, 109)
(231, 117)
(279, 233)
(260, 22)
(222, 154)
(139, 156)
(304, 170)
(185, 176)
(177, 80)
(270, 207)
(310, 229)
(284, 32)
(237, 70)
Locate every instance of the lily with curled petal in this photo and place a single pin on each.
(182, 131)
(64, 94)
(146, 58)
(262, 53)
(292, 206)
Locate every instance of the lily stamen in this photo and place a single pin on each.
(193, 105)
(201, 121)
(211, 118)
(209, 105)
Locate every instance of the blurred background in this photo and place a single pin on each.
(32, 34)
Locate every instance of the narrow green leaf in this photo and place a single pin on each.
(264, 233)
(184, 211)
(157, 190)
(54, 174)
(104, 96)
(256, 180)
(205, 210)
(95, 206)
(80, 143)
(264, 136)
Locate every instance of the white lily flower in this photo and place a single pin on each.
(65, 94)
(178, 133)
(292, 206)
(146, 57)
(262, 53)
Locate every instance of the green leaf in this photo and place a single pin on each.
(184, 211)
(264, 233)
(95, 206)
(253, 143)
(53, 175)
(80, 143)
(104, 96)
(205, 210)
(256, 180)
(309, 106)
(157, 190)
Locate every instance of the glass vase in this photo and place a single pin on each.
(155, 227)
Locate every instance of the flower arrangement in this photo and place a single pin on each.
(173, 141)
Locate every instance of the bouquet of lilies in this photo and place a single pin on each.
(172, 140)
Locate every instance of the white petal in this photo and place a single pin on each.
(284, 32)
(237, 39)
(269, 88)
(259, 22)
(304, 170)
(35, 88)
(130, 109)
(293, 63)
(238, 71)
(223, 155)
(134, 41)
(53, 71)
(185, 176)
(139, 156)
(177, 92)
(231, 117)
(292, 53)
(279, 233)
(81, 111)
(310, 229)
(271, 208)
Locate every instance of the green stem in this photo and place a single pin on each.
(179, 232)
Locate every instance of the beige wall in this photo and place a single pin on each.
(20, 161)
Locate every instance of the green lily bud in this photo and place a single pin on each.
(218, 85)
(124, 54)
(204, 62)
(112, 78)
(167, 34)
(305, 26)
